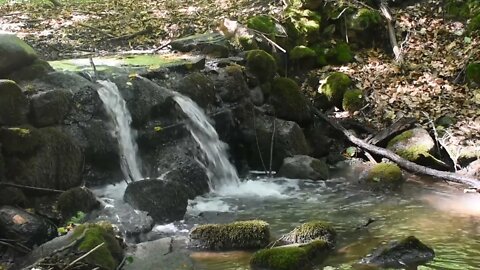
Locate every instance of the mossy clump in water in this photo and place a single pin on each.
(289, 102)
(261, 64)
(335, 86)
(302, 52)
(109, 254)
(386, 174)
(262, 23)
(237, 235)
(352, 100)
(310, 231)
(473, 72)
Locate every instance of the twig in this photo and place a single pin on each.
(370, 158)
(92, 64)
(84, 255)
(435, 134)
(31, 188)
(162, 46)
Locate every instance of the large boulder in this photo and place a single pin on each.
(414, 145)
(237, 235)
(14, 54)
(165, 201)
(304, 167)
(13, 103)
(289, 102)
(24, 227)
(407, 253)
(198, 87)
(24, 140)
(262, 65)
(288, 141)
(50, 108)
(35, 70)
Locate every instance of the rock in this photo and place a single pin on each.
(289, 140)
(473, 73)
(353, 100)
(12, 196)
(262, 23)
(165, 201)
(237, 235)
(472, 170)
(2, 165)
(99, 144)
(289, 102)
(384, 175)
(74, 200)
(310, 231)
(303, 167)
(198, 87)
(24, 227)
(57, 162)
(231, 84)
(209, 43)
(318, 139)
(291, 257)
(50, 108)
(33, 71)
(13, 103)
(303, 26)
(334, 87)
(256, 95)
(414, 145)
(192, 175)
(23, 140)
(262, 65)
(407, 253)
(14, 54)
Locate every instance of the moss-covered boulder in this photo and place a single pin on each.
(334, 87)
(14, 54)
(304, 167)
(303, 26)
(262, 65)
(289, 102)
(262, 23)
(414, 144)
(109, 255)
(310, 231)
(473, 73)
(22, 140)
(230, 84)
(365, 18)
(49, 108)
(13, 104)
(387, 175)
(339, 54)
(248, 234)
(292, 257)
(74, 200)
(199, 87)
(353, 100)
(302, 53)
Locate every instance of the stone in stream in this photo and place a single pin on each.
(409, 252)
(248, 234)
(14, 54)
(304, 167)
(310, 231)
(383, 176)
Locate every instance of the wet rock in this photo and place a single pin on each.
(74, 200)
(310, 231)
(318, 139)
(383, 176)
(414, 145)
(49, 108)
(289, 102)
(409, 252)
(13, 103)
(289, 140)
(208, 43)
(14, 54)
(304, 167)
(35, 70)
(24, 140)
(24, 227)
(198, 87)
(237, 235)
(12, 196)
(164, 201)
(262, 65)
(231, 84)
(291, 257)
(2, 165)
(256, 95)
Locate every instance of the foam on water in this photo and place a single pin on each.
(261, 188)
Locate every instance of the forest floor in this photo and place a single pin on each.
(435, 50)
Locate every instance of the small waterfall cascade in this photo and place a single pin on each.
(117, 109)
(220, 171)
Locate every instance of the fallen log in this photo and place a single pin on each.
(403, 163)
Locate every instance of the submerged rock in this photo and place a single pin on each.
(14, 54)
(165, 201)
(304, 167)
(310, 231)
(414, 144)
(13, 103)
(408, 252)
(237, 235)
(24, 227)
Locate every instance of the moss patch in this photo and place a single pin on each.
(352, 100)
(473, 71)
(385, 173)
(261, 64)
(312, 230)
(334, 87)
(289, 102)
(301, 52)
(262, 23)
(365, 18)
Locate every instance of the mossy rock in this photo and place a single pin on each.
(462, 9)
(339, 54)
(13, 104)
(303, 26)
(14, 54)
(334, 87)
(248, 43)
(302, 52)
(262, 23)
(474, 24)
(237, 235)
(292, 257)
(35, 70)
(385, 174)
(107, 256)
(289, 102)
(262, 65)
(353, 100)
(413, 145)
(50, 108)
(310, 231)
(473, 73)
(74, 200)
(199, 87)
(23, 140)
(365, 19)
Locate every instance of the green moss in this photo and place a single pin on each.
(301, 52)
(413, 152)
(353, 100)
(261, 64)
(473, 72)
(312, 230)
(262, 23)
(289, 102)
(462, 9)
(344, 54)
(401, 137)
(385, 173)
(282, 258)
(247, 43)
(474, 24)
(335, 86)
(365, 18)
(303, 26)
(95, 234)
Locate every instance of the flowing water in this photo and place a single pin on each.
(117, 109)
(221, 172)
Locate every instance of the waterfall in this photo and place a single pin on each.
(117, 109)
(220, 171)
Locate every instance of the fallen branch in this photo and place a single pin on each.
(31, 188)
(405, 164)
(84, 255)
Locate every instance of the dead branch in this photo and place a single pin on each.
(405, 164)
(31, 188)
(84, 255)
(391, 32)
